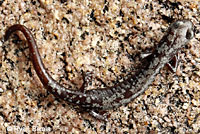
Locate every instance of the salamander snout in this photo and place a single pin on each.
(189, 33)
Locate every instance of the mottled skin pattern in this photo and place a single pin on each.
(176, 37)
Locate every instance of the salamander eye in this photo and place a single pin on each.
(176, 25)
(189, 34)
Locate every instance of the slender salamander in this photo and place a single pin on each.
(100, 99)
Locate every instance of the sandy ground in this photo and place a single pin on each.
(103, 37)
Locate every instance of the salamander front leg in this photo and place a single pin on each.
(173, 64)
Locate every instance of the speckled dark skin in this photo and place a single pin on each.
(176, 37)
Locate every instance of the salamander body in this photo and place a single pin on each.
(175, 38)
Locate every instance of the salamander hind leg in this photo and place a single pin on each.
(103, 116)
(87, 78)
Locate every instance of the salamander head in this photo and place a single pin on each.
(183, 28)
(179, 34)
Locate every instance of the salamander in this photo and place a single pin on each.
(176, 37)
